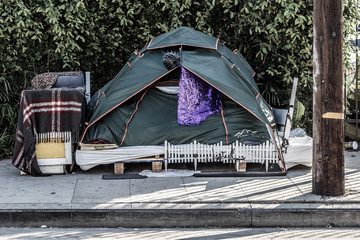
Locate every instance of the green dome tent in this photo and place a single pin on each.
(132, 110)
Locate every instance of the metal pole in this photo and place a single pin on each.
(87, 87)
(356, 85)
(291, 110)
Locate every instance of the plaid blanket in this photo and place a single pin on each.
(45, 115)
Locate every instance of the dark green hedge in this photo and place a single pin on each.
(37, 36)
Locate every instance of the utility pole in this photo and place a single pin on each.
(328, 175)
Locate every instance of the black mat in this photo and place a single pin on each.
(122, 176)
(239, 174)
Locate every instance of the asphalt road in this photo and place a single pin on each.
(194, 233)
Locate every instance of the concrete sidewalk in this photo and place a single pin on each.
(83, 199)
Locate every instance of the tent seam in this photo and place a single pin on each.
(148, 47)
(226, 131)
(240, 74)
(277, 148)
(132, 115)
(110, 110)
(181, 44)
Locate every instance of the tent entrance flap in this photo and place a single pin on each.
(197, 100)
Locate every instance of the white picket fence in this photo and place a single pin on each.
(236, 152)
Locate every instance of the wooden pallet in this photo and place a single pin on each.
(156, 163)
(240, 166)
(94, 147)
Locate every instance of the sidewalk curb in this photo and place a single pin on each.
(174, 218)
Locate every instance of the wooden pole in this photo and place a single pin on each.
(328, 176)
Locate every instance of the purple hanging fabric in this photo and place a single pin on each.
(196, 99)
